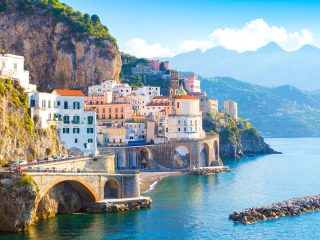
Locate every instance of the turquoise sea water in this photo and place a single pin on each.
(189, 207)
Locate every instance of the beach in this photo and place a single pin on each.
(148, 180)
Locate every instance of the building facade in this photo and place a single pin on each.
(192, 83)
(12, 66)
(231, 107)
(65, 109)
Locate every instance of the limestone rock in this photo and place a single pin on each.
(53, 56)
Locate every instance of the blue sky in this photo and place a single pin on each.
(167, 27)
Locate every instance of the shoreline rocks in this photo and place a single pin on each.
(291, 207)
(119, 206)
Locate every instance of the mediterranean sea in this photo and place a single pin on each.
(190, 207)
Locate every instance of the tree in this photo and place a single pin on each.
(95, 19)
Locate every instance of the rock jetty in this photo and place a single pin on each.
(119, 205)
(291, 207)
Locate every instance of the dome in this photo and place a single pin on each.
(181, 91)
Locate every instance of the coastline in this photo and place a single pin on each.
(149, 180)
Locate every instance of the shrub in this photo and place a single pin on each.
(26, 180)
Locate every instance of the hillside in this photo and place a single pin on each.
(21, 137)
(62, 48)
(269, 66)
(279, 112)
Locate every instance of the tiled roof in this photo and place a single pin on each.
(67, 92)
(160, 97)
(185, 97)
(153, 104)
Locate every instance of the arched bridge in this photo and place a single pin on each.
(92, 186)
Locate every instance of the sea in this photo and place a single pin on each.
(198, 207)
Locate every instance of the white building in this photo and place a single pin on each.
(12, 66)
(148, 91)
(98, 90)
(136, 131)
(65, 109)
(231, 107)
(185, 122)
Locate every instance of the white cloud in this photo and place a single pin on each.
(255, 34)
(140, 48)
(258, 33)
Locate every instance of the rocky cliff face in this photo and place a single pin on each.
(52, 54)
(245, 144)
(19, 199)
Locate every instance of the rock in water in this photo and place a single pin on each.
(291, 207)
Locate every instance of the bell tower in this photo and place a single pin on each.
(174, 86)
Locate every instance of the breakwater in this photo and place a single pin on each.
(209, 170)
(291, 207)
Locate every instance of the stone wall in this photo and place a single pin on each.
(101, 163)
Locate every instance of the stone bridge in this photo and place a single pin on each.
(92, 187)
(182, 154)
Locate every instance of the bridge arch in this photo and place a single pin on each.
(145, 155)
(182, 156)
(85, 190)
(204, 155)
(111, 189)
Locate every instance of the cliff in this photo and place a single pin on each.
(62, 48)
(21, 137)
(246, 143)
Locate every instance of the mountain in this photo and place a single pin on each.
(283, 111)
(269, 66)
(62, 48)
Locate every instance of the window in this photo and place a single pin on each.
(116, 116)
(65, 130)
(76, 130)
(121, 109)
(43, 103)
(185, 122)
(49, 104)
(85, 145)
(109, 116)
(65, 105)
(76, 105)
(90, 120)
(179, 122)
(76, 140)
(76, 120)
(66, 119)
(116, 110)
(178, 105)
(90, 140)
(122, 116)
(89, 130)
(103, 116)
(167, 129)
(109, 110)
(120, 140)
(15, 67)
(178, 129)
(103, 110)
(185, 129)
(32, 103)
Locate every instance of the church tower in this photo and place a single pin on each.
(174, 86)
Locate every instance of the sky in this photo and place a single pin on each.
(164, 28)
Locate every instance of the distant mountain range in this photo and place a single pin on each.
(269, 66)
(283, 111)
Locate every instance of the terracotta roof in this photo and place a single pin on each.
(185, 97)
(160, 97)
(153, 104)
(67, 92)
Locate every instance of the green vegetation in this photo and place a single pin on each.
(26, 180)
(80, 25)
(128, 62)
